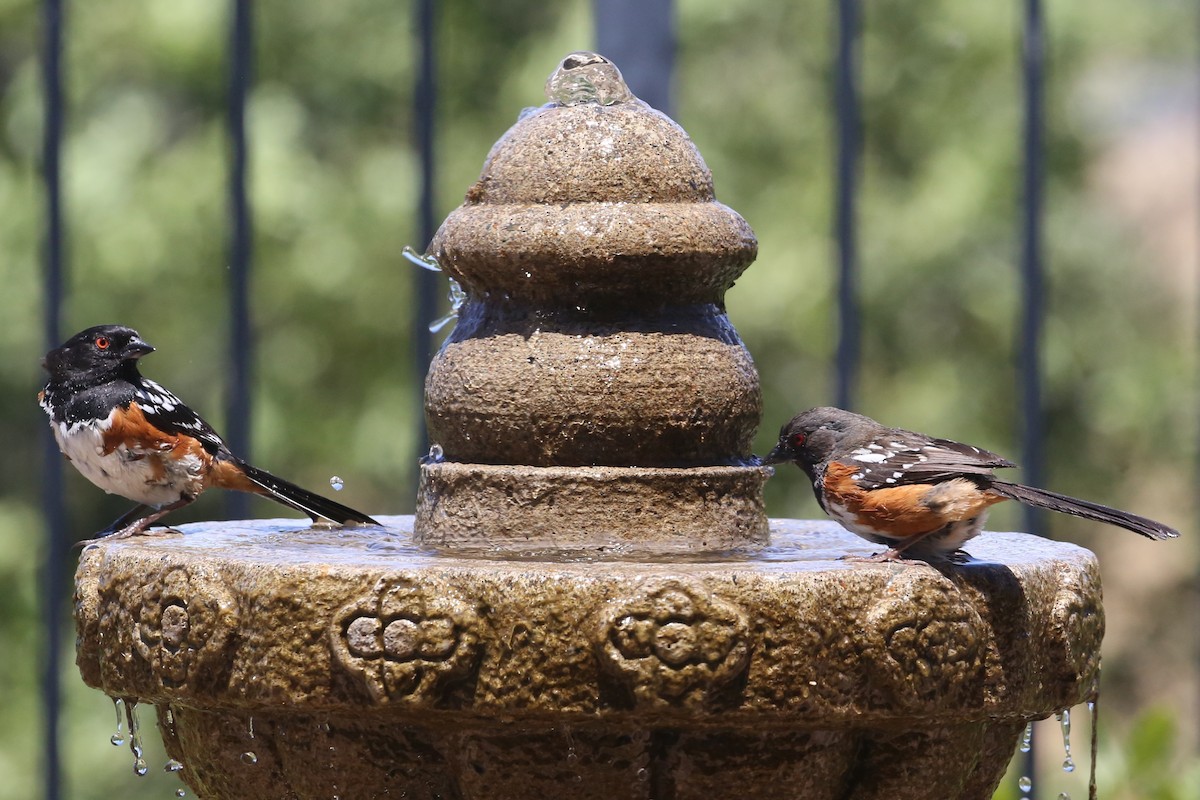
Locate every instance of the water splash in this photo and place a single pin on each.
(457, 297)
(584, 78)
(422, 260)
(435, 456)
(140, 767)
(1027, 738)
(118, 738)
(337, 483)
(1064, 723)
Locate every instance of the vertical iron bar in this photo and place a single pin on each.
(426, 287)
(241, 345)
(53, 577)
(848, 135)
(1033, 56)
(639, 37)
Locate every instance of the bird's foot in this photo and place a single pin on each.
(891, 556)
(136, 529)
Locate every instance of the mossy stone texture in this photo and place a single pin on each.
(371, 667)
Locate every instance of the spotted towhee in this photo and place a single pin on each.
(132, 437)
(919, 495)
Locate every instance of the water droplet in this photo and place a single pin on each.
(1025, 783)
(457, 297)
(587, 78)
(172, 765)
(249, 758)
(1027, 738)
(435, 456)
(118, 738)
(338, 484)
(140, 767)
(572, 758)
(643, 774)
(1064, 796)
(422, 260)
(1064, 722)
(180, 793)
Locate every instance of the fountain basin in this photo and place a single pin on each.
(362, 664)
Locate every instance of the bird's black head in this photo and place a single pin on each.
(811, 438)
(96, 354)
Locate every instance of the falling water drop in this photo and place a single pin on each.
(420, 259)
(135, 737)
(1064, 722)
(337, 483)
(249, 758)
(587, 78)
(1025, 783)
(172, 765)
(180, 793)
(1027, 738)
(118, 738)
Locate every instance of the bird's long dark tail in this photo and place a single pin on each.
(1083, 508)
(304, 501)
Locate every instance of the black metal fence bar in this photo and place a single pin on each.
(1033, 53)
(848, 137)
(241, 342)
(55, 554)
(639, 37)
(426, 286)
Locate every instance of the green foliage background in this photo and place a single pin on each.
(334, 188)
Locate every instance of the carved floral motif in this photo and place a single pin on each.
(675, 643)
(183, 625)
(406, 643)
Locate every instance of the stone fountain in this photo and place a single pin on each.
(590, 600)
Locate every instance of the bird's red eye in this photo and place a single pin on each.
(797, 439)
(102, 342)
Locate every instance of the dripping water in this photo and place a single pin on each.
(140, 767)
(1064, 724)
(118, 738)
(1094, 713)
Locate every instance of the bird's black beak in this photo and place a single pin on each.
(779, 455)
(136, 348)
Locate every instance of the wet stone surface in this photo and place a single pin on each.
(420, 651)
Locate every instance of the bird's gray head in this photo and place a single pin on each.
(811, 438)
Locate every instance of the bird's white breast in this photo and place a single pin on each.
(147, 477)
